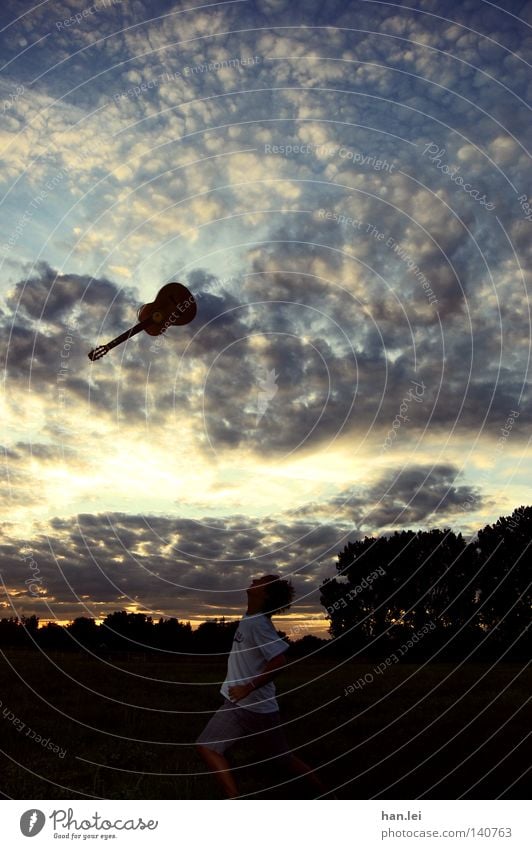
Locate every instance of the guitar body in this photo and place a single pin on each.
(174, 305)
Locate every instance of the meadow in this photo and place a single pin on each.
(123, 727)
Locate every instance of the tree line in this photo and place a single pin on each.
(413, 595)
(434, 596)
(119, 631)
(135, 633)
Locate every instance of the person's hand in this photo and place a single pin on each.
(239, 691)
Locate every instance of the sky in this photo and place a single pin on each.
(346, 190)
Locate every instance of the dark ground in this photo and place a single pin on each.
(393, 738)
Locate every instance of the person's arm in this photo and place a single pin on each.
(271, 668)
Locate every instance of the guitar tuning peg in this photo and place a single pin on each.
(98, 352)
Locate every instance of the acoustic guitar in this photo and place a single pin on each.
(174, 305)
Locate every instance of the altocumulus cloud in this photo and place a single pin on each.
(120, 165)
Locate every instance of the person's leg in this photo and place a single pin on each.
(275, 742)
(222, 730)
(298, 767)
(221, 770)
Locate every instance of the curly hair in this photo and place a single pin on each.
(280, 594)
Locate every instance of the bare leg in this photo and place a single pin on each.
(221, 769)
(299, 767)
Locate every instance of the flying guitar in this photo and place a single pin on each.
(174, 304)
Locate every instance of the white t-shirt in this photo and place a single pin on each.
(255, 643)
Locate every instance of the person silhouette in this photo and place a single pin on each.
(250, 706)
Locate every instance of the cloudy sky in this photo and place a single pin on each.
(346, 189)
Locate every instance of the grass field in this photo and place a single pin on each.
(124, 729)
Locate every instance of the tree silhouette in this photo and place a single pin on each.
(389, 588)
(84, 631)
(11, 632)
(474, 596)
(129, 631)
(173, 635)
(504, 586)
(214, 637)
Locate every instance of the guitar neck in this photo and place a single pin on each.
(128, 334)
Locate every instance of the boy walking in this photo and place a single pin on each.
(250, 707)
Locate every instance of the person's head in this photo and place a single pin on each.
(270, 594)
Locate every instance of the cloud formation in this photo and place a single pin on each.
(347, 197)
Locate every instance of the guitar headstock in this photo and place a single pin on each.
(98, 352)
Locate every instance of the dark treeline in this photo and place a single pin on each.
(120, 631)
(131, 632)
(430, 595)
(408, 597)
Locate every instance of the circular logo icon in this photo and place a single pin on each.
(32, 822)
